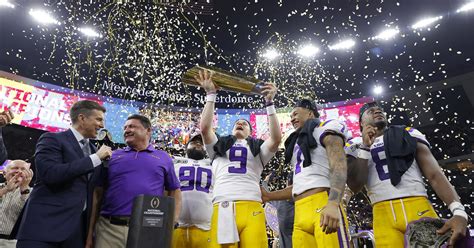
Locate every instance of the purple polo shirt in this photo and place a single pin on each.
(132, 173)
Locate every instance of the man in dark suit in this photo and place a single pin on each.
(57, 211)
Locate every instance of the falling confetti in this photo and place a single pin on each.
(139, 51)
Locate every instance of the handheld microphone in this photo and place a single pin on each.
(105, 138)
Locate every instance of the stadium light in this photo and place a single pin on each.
(271, 54)
(43, 17)
(6, 3)
(346, 44)
(426, 22)
(387, 34)
(378, 90)
(466, 7)
(89, 32)
(308, 51)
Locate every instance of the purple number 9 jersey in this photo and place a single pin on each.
(196, 181)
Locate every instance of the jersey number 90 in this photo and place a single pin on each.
(195, 177)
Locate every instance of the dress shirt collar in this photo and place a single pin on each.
(78, 135)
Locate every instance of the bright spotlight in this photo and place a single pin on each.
(378, 90)
(387, 34)
(271, 54)
(43, 17)
(308, 51)
(89, 32)
(426, 22)
(466, 7)
(343, 45)
(6, 3)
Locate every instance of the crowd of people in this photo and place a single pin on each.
(83, 194)
(172, 129)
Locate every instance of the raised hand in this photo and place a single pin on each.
(14, 182)
(368, 134)
(269, 91)
(6, 117)
(27, 175)
(204, 79)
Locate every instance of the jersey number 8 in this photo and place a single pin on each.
(379, 163)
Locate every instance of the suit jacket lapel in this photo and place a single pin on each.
(73, 141)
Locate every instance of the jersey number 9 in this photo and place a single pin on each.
(238, 154)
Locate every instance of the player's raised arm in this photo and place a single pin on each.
(269, 91)
(357, 159)
(204, 79)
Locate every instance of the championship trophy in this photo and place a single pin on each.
(151, 222)
(228, 81)
(422, 233)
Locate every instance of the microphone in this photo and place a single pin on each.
(105, 137)
(102, 134)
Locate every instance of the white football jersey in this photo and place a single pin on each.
(237, 175)
(196, 181)
(379, 186)
(352, 146)
(315, 175)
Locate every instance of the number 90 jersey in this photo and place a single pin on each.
(196, 181)
(237, 175)
(379, 186)
(317, 174)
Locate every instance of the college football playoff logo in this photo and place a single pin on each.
(155, 202)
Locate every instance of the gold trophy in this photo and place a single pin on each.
(226, 80)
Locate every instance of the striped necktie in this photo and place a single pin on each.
(86, 148)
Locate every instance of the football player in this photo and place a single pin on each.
(195, 175)
(316, 152)
(391, 161)
(238, 219)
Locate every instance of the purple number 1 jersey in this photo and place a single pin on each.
(196, 181)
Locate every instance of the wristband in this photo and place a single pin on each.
(211, 97)
(268, 104)
(363, 154)
(459, 212)
(455, 205)
(271, 110)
